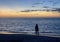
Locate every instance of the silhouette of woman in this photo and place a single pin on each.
(36, 30)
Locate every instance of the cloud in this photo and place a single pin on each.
(46, 7)
(35, 10)
(29, 10)
(56, 9)
(33, 6)
(36, 3)
(51, 9)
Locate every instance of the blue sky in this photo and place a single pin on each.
(28, 4)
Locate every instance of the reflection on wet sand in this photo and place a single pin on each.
(26, 33)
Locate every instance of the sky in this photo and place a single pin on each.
(29, 8)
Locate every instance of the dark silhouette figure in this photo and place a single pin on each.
(37, 30)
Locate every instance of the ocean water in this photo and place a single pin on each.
(17, 25)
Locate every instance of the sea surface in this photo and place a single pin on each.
(27, 25)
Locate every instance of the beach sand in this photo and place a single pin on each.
(4, 32)
(26, 38)
(13, 37)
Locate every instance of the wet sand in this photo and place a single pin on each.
(41, 34)
(27, 38)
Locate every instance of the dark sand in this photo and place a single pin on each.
(27, 38)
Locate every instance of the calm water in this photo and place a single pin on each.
(51, 25)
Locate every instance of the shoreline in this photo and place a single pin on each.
(41, 34)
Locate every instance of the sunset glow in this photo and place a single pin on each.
(14, 8)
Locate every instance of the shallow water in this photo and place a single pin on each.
(46, 25)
